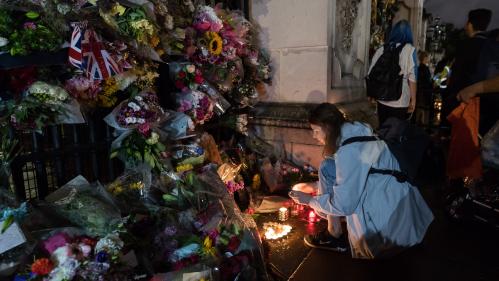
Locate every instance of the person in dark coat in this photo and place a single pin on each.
(467, 55)
(424, 91)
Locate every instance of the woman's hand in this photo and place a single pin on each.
(412, 106)
(467, 93)
(300, 197)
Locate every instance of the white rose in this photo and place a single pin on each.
(191, 68)
(134, 106)
(130, 120)
(141, 120)
(3, 41)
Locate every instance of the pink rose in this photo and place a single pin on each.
(56, 241)
(145, 129)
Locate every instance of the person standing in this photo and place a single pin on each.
(424, 91)
(467, 55)
(400, 36)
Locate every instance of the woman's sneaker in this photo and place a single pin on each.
(324, 240)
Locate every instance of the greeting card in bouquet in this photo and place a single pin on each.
(12, 237)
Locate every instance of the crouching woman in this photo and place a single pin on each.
(383, 215)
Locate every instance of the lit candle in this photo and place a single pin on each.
(283, 214)
(311, 216)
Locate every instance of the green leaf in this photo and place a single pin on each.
(160, 146)
(169, 198)
(7, 223)
(149, 159)
(114, 154)
(32, 15)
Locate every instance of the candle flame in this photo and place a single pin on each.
(276, 230)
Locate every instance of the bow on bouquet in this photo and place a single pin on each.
(135, 120)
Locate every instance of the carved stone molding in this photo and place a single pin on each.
(295, 115)
(348, 17)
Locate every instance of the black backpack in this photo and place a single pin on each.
(406, 142)
(384, 81)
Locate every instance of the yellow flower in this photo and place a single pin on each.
(208, 248)
(183, 168)
(215, 43)
(255, 185)
(154, 41)
(137, 185)
(110, 86)
(118, 9)
(143, 26)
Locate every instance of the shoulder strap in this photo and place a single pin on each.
(400, 176)
(359, 139)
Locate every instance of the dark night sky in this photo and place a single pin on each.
(456, 11)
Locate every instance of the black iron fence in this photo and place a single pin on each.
(49, 160)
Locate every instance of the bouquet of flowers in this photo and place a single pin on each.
(195, 104)
(27, 34)
(70, 256)
(87, 206)
(132, 22)
(188, 77)
(142, 146)
(136, 111)
(44, 104)
(136, 120)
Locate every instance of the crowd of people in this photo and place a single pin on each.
(358, 176)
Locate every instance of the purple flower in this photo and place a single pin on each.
(170, 230)
(185, 105)
(29, 25)
(101, 256)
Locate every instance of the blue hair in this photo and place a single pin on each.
(401, 33)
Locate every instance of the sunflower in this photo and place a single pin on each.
(215, 43)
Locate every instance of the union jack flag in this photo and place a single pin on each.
(75, 53)
(95, 60)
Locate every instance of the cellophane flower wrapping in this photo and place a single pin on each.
(69, 253)
(131, 190)
(44, 104)
(86, 205)
(136, 111)
(136, 122)
(196, 104)
(12, 212)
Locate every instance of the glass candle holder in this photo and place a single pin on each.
(283, 214)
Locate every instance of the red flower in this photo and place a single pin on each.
(179, 84)
(198, 79)
(233, 245)
(42, 266)
(88, 241)
(181, 74)
(145, 130)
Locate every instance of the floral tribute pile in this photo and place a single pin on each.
(169, 216)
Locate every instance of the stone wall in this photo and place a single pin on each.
(317, 56)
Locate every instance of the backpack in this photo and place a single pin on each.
(406, 142)
(384, 81)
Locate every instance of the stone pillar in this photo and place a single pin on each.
(319, 52)
(296, 33)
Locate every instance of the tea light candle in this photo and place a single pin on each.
(283, 214)
(311, 216)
